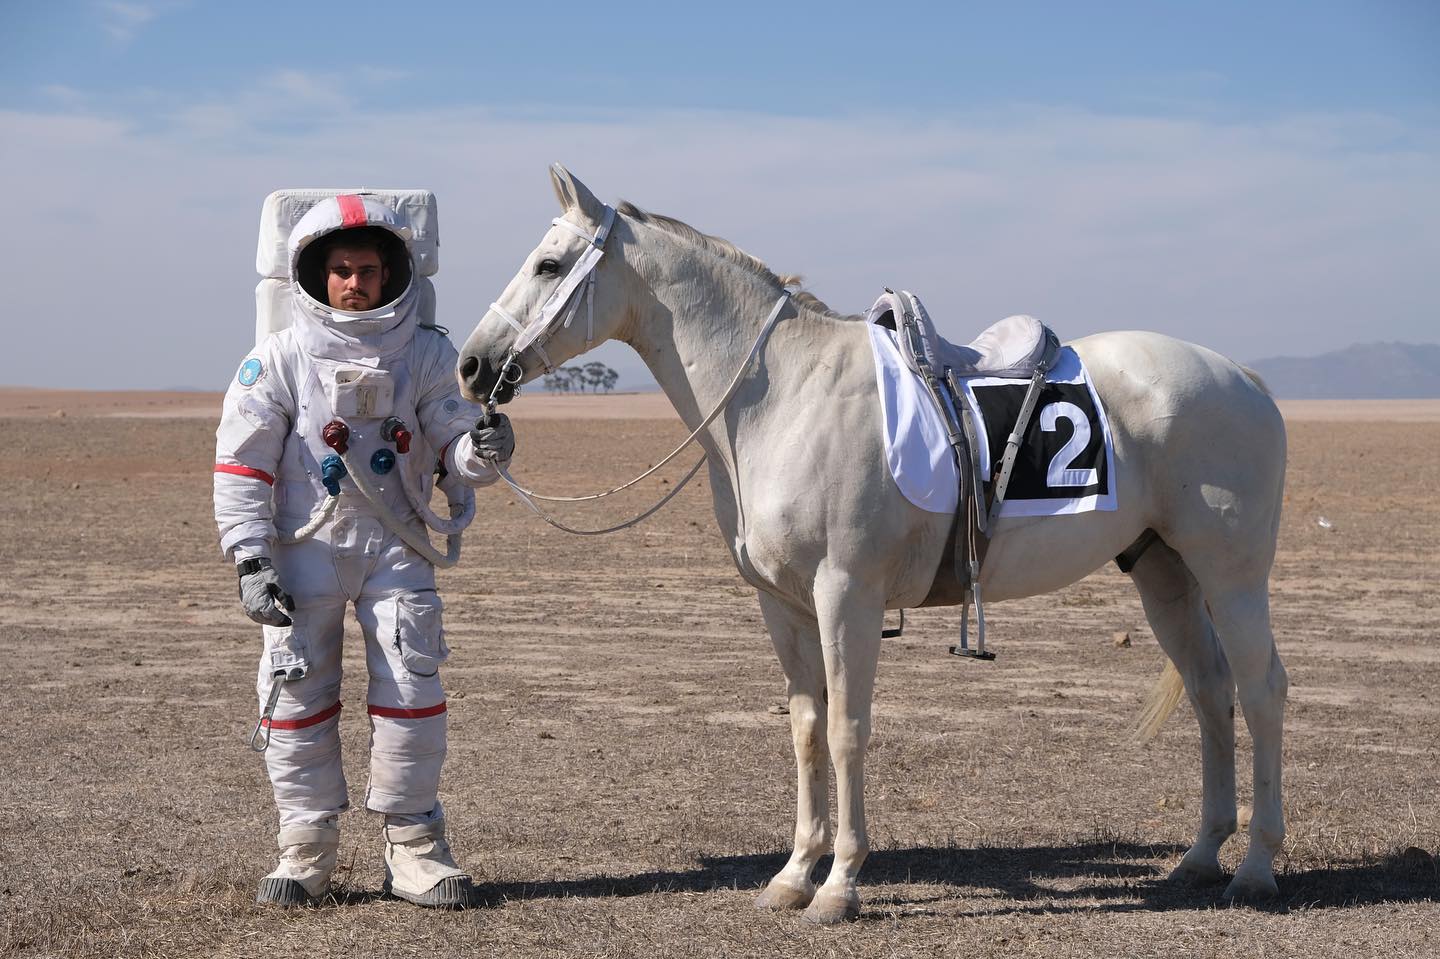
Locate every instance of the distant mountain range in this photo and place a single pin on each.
(1365, 371)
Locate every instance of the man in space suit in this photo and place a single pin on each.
(324, 427)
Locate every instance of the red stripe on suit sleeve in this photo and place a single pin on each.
(245, 471)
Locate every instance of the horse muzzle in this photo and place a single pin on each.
(483, 380)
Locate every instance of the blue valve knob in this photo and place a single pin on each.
(382, 462)
(332, 468)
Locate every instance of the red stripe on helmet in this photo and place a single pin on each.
(392, 712)
(315, 720)
(352, 211)
(245, 471)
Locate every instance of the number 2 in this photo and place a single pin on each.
(1059, 472)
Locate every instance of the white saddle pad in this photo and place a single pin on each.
(1066, 464)
(917, 446)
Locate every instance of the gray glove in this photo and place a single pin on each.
(493, 438)
(265, 602)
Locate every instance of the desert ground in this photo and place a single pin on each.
(620, 776)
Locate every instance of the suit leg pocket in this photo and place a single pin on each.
(419, 636)
(289, 653)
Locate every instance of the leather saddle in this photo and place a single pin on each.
(1012, 348)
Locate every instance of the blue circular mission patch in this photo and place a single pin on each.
(250, 371)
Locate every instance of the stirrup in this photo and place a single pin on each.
(892, 632)
(979, 652)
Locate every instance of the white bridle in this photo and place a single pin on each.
(560, 308)
(564, 302)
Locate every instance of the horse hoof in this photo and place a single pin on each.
(1245, 888)
(832, 910)
(1197, 874)
(779, 896)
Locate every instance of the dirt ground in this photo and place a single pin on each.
(620, 775)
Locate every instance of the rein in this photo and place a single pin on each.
(535, 333)
(528, 496)
(525, 497)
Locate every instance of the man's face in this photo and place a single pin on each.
(354, 278)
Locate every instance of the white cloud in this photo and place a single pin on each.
(63, 96)
(1255, 239)
(123, 19)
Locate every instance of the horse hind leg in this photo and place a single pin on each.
(1242, 617)
(1223, 521)
(1231, 563)
(1176, 611)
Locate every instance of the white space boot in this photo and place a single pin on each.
(420, 869)
(308, 854)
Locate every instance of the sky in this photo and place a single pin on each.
(1261, 178)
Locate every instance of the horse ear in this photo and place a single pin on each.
(572, 193)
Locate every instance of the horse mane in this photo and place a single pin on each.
(729, 251)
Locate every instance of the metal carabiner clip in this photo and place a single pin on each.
(506, 369)
(277, 683)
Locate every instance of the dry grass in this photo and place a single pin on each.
(617, 775)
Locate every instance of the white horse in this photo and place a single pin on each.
(815, 522)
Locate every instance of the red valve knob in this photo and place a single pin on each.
(393, 430)
(336, 436)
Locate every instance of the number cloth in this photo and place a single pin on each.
(1066, 464)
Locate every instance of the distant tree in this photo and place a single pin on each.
(595, 375)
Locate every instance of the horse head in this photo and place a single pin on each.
(556, 306)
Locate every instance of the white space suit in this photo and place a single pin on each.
(364, 370)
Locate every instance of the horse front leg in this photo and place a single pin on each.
(850, 624)
(795, 635)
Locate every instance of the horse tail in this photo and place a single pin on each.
(1257, 380)
(1164, 697)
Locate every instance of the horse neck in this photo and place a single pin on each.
(703, 314)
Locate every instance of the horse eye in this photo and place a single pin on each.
(547, 268)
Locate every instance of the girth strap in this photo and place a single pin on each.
(1127, 560)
